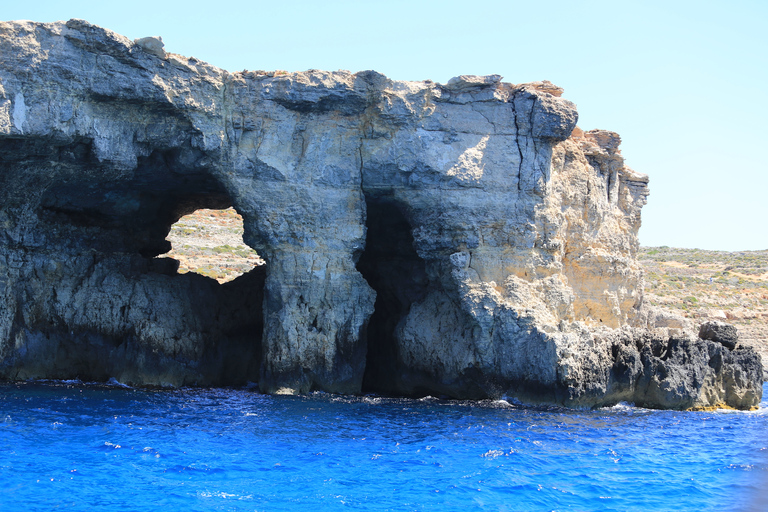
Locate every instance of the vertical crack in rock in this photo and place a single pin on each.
(519, 148)
(541, 174)
(609, 186)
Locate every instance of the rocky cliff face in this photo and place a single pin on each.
(463, 239)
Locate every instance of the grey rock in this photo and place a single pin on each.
(153, 45)
(674, 376)
(721, 332)
(464, 239)
(468, 82)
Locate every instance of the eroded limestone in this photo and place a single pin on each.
(503, 258)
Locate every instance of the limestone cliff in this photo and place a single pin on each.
(463, 239)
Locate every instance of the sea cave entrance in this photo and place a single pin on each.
(392, 267)
(208, 241)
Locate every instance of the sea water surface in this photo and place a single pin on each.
(75, 446)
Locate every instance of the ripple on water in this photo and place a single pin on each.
(237, 449)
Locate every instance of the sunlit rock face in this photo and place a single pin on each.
(461, 239)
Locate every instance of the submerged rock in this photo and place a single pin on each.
(463, 239)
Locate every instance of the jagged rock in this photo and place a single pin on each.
(721, 332)
(463, 239)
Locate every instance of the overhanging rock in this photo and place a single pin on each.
(463, 239)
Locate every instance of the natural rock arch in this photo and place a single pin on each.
(103, 307)
(526, 228)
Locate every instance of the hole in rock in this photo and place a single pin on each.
(151, 325)
(210, 243)
(228, 315)
(392, 267)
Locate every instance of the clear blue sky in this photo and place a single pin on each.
(683, 82)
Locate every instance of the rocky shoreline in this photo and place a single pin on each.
(701, 286)
(462, 239)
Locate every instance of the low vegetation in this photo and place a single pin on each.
(210, 243)
(717, 285)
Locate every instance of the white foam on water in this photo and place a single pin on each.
(623, 406)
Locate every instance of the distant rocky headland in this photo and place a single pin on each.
(462, 239)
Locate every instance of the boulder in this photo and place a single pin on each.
(721, 332)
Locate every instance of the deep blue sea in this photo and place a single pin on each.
(75, 446)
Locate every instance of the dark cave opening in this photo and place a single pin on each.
(392, 267)
(133, 213)
(120, 227)
(208, 241)
(204, 237)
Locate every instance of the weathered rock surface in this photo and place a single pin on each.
(721, 332)
(463, 239)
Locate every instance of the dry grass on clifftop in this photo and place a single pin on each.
(210, 242)
(711, 285)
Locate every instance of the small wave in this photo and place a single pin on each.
(221, 494)
(116, 383)
(191, 469)
(622, 406)
(511, 400)
(762, 410)
(492, 454)
(69, 382)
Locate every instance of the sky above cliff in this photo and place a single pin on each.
(682, 82)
